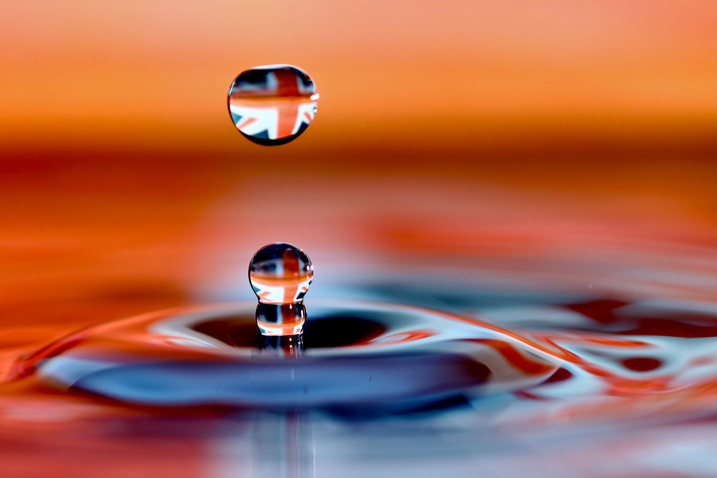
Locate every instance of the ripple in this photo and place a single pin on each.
(573, 358)
(381, 357)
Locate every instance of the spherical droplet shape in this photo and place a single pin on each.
(280, 274)
(281, 319)
(272, 105)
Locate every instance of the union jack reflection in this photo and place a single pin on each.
(272, 105)
(285, 319)
(280, 274)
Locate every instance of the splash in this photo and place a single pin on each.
(280, 275)
(357, 356)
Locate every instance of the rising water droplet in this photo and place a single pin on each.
(280, 274)
(272, 105)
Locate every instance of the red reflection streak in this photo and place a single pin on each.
(26, 367)
(407, 336)
(131, 341)
(561, 354)
(514, 357)
(245, 123)
(617, 385)
(288, 111)
(291, 265)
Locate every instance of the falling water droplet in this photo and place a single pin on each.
(280, 274)
(272, 105)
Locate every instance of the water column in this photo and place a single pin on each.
(280, 275)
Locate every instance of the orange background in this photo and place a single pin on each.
(488, 74)
(117, 145)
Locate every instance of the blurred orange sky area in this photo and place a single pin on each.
(495, 76)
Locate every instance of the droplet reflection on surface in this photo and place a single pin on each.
(283, 319)
(272, 105)
(280, 274)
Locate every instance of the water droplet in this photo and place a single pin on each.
(272, 105)
(280, 274)
(284, 319)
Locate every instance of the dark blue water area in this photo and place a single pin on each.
(355, 357)
(453, 348)
(463, 381)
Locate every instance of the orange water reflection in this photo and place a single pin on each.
(535, 144)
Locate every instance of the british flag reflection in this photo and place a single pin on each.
(272, 105)
(280, 273)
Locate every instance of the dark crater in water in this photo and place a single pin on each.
(375, 358)
(624, 318)
(341, 331)
(363, 357)
(325, 332)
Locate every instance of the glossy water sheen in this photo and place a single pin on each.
(509, 383)
(272, 105)
(364, 357)
(379, 358)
